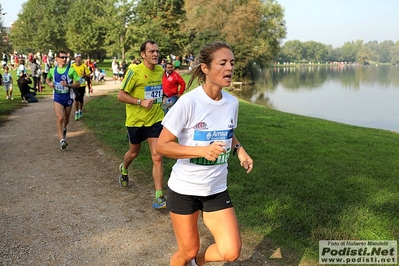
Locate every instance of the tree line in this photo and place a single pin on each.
(355, 51)
(107, 28)
(116, 28)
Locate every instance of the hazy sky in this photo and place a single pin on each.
(338, 21)
(327, 21)
(12, 7)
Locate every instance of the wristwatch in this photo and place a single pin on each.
(236, 148)
(138, 101)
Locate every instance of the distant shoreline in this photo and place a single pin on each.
(338, 64)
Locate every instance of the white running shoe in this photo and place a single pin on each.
(192, 263)
(63, 144)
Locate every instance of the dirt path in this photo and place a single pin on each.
(65, 207)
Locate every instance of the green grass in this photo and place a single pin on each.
(106, 65)
(6, 107)
(313, 179)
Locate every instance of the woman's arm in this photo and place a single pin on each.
(245, 160)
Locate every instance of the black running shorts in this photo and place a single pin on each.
(136, 135)
(187, 204)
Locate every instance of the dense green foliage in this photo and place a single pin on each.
(254, 28)
(116, 28)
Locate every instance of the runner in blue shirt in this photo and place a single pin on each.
(62, 79)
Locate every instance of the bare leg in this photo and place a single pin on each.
(224, 227)
(157, 167)
(62, 113)
(187, 236)
(131, 154)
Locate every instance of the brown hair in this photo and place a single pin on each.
(168, 63)
(205, 56)
(61, 52)
(144, 45)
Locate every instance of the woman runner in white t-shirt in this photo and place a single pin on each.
(203, 121)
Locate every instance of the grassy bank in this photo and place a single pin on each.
(313, 179)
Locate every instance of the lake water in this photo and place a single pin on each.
(356, 95)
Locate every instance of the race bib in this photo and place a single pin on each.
(202, 137)
(59, 88)
(154, 92)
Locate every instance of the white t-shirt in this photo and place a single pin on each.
(21, 69)
(115, 69)
(197, 120)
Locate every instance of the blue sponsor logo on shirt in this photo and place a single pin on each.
(202, 135)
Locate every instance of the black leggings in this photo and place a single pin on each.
(35, 83)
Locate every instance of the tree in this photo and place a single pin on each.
(253, 28)
(315, 51)
(161, 20)
(84, 34)
(350, 50)
(394, 54)
(293, 51)
(384, 50)
(364, 55)
(41, 26)
(117, 21)
(373, 51)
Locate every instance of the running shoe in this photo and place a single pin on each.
(64, 133)
(7, 98)
(77, 116)
(63, 144)
(159, 203)
(192, 263)
(80, 114)
(123, 179)
(12, 98)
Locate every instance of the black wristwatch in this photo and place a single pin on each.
(236, 148)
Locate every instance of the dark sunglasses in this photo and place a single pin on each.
(63, 57)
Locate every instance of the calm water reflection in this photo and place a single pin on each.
(353, 95)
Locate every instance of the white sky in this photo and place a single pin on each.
(12, 7)
(327, 21)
